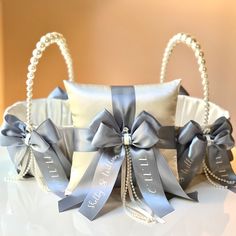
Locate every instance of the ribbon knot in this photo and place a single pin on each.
(213, 145)
(209, 139)
(126, 139)
(27, 139)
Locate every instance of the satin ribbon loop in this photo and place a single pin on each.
(188, 132)
(36, 142)
(221, 134)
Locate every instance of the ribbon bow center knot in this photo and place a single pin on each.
(126, 137)
(209, 140)
(27, 139)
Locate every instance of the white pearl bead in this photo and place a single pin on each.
(45, 40)
(34, 60)
(37, 53)
(30, 76)
(32, 68)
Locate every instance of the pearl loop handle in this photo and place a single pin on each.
(195, 46)
(45, 41)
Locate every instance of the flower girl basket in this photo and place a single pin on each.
(202, 111)
(33, 112)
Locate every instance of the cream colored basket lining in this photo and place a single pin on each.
(191, 108)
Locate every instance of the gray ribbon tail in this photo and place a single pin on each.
(52, 171)
(104, 180)
(79, 194)
(52, 163)
(149, 181)
(217, 158)
(191, 160)
(232, 188)
(169, 181)
(65, 163)
(217, 161)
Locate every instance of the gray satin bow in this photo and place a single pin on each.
(194, 146)
(152, 172)
(53, 165)
(15, 134)
(144, 132)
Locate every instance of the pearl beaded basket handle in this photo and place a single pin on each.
(195, 46)
(45, 41)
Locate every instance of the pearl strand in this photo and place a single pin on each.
(129, 166)
(131, 211)
(39, 178)
(29, 163)
(44, 42)
(136, 214)
(208, 172)
(195, 46)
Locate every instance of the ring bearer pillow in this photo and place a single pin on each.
(86, 101)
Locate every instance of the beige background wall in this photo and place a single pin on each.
(119, 42)
(1, 62)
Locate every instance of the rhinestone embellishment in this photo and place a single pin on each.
(126, 139)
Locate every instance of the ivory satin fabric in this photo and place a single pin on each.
(191, 108)
(86, 101)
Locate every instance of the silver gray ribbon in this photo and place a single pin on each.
(58, 93)
(183, 91)
(152, 172)
(194, 146)
(53, 165)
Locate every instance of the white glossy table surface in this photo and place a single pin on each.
(27, 211)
